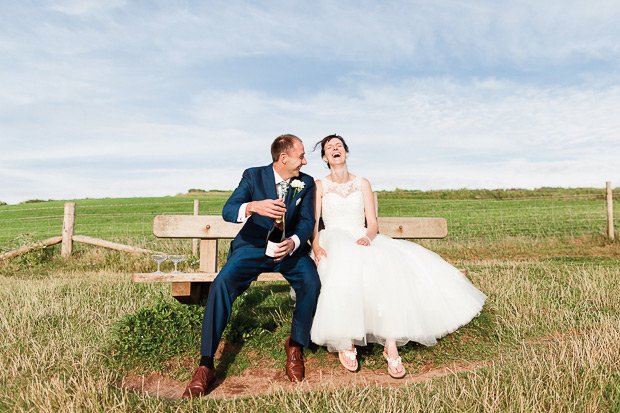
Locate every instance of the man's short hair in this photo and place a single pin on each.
(283, 144)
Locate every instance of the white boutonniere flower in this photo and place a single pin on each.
(297, 185)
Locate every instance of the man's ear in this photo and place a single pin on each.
(283, 158)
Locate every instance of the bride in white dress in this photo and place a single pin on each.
(374, 288)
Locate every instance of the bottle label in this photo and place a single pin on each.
(271, 248)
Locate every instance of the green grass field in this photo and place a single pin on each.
(547, 339)
(470, 214)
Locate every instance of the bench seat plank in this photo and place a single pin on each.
(148, 277)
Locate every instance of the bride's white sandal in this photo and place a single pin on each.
(349, 355)
(393, 367)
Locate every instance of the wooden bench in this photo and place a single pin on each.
(189, 287)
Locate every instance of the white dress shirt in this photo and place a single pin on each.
(241, 217)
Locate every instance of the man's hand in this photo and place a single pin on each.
(272, 208)
(283, 249)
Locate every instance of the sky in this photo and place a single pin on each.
(123, 98)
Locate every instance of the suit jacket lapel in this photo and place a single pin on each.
(290, 206)
(289, 196)
(270, 182)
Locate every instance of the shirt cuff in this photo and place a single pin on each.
(241, 215)
(295, 239)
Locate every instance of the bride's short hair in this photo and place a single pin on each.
(324, 142)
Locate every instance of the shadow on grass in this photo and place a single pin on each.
(165, 330)
(259, 325)
(473, 342)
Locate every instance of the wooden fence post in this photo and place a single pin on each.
(610, 211)
(195, 240)
(68, 225)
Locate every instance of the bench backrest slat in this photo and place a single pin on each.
(214, 227)
(412, 227)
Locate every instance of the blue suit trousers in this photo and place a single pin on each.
(243, 266)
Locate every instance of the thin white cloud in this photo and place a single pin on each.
(432, 95)
(85, 7)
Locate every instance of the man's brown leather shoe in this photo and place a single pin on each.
(202, 378)
(294, 362)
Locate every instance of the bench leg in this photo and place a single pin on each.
(190, 292)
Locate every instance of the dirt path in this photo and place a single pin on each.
(265, 380)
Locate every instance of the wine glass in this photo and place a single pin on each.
(159, 258)
(176, 259)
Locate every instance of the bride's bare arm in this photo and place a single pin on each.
(371, 214)
(314, 238)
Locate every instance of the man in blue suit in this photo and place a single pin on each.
(256, 202)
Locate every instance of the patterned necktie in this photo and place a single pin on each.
(283, 189)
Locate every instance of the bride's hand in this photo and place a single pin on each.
(319, 253)
(365, 241)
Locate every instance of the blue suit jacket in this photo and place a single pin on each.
(258, 184)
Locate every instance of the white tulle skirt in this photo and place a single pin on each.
(392, 289)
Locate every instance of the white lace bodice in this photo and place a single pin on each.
(343, 204)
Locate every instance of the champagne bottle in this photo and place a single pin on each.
(274, 236)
